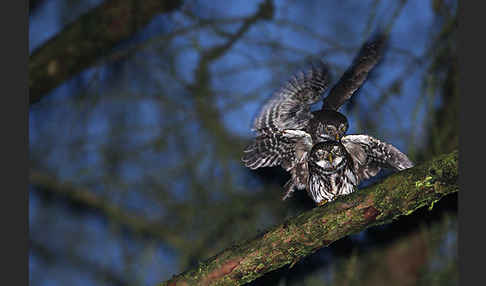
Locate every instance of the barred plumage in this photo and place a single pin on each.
(331, 172)
(268, 150)
(370, 155)
(289, 107)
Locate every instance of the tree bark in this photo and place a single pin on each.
(83, 42)
(400, 194)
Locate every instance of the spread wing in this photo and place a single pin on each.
(279, 123)
(272, 149)
(289, 107)
(370, 155)
(268, 150)
(354, 77)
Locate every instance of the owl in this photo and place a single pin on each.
(288, 109)
(287, 130)
(330, 169)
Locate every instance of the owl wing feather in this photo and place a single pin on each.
(268, 150)
(289, 107)
(370, 155)
(286, 148)
(354, 77)
(288, 110)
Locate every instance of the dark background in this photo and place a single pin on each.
(134, 161)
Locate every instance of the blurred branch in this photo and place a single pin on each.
(300, 28)
(161, 41)
(413, 259)
(368, 57)
(442, 81)
(400, 194)
(205, 107)
(137, 224)
(102, 273)
(179, 214)
(398, 264)
(83, 42)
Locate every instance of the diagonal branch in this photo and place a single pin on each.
(399, 194)
(136, 224)
(83, 42)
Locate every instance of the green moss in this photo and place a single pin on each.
(432, 204)
(427, 182)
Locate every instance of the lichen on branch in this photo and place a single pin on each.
(399, 194)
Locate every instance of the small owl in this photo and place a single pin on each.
(330, 169)
(331, 172)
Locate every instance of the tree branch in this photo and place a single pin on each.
(101, 272)
(81, 43)
(400, 194)
(135, 223)
(205, 108)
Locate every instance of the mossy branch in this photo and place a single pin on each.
(79, 45)
(399, 194)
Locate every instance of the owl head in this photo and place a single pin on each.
(329, 156)
(328, 125)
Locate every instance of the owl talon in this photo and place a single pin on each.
(321, 203)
